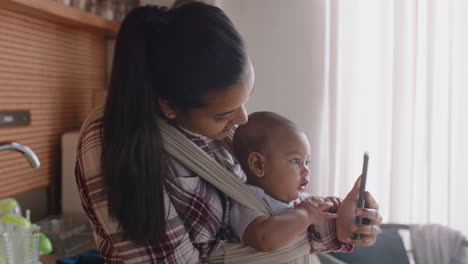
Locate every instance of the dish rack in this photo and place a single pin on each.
(19, 244)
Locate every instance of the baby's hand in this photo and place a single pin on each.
(317, 209)
(335, 201)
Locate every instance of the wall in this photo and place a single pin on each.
(287, 45)
(52, 71)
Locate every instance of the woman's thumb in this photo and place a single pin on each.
(354, 193)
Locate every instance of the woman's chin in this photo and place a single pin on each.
(219, 136)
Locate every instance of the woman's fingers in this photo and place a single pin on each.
(368, 230)
(364, 241)
(371, 211)
(371, 202)
(368, 234)
(372, 214)
(346, 217)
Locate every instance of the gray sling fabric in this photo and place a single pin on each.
(182, 149)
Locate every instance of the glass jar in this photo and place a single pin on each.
(120, 10)
(65, 2)
(107, 9)
(93, 7)
(81, 4)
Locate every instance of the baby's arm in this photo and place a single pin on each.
(271, 233)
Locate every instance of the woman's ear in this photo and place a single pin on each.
(166, 108)
(256, 163)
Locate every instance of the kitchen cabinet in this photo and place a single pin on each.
(61, 14)
(53, 60)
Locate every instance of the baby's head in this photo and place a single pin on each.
(274, 154)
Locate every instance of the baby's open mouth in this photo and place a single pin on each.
(303, 186)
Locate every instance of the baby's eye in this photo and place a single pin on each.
(296, 161)
(307, 162)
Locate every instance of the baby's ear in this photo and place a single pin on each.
(256, 164)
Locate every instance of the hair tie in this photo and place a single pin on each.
(157, 15)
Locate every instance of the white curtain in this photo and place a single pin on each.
(397, 86)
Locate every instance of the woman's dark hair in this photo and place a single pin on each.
(175, 54)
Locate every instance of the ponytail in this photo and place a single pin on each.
(134, 165)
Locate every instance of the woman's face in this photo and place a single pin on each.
(222, 110)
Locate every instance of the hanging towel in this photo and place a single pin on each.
(437, 244)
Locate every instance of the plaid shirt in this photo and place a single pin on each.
(196, 211)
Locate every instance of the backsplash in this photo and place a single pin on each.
(53, 72)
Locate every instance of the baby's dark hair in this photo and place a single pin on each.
(255, 135)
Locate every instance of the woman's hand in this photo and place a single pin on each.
(345, 221)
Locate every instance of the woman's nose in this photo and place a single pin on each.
(240, 116)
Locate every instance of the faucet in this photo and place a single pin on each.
(26, 151)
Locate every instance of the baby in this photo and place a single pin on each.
(274, 154)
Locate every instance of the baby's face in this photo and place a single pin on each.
(286, 165)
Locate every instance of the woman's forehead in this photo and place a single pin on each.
(230, 99)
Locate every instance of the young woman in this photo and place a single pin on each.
(187, 66)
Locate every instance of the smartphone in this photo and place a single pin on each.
(362, 191)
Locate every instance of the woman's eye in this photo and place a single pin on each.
(221, 119)
(224, 118)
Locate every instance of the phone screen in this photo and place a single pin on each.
(362, 190)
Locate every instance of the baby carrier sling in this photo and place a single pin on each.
(194, 158)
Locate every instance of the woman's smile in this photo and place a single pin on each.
(227, 128)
